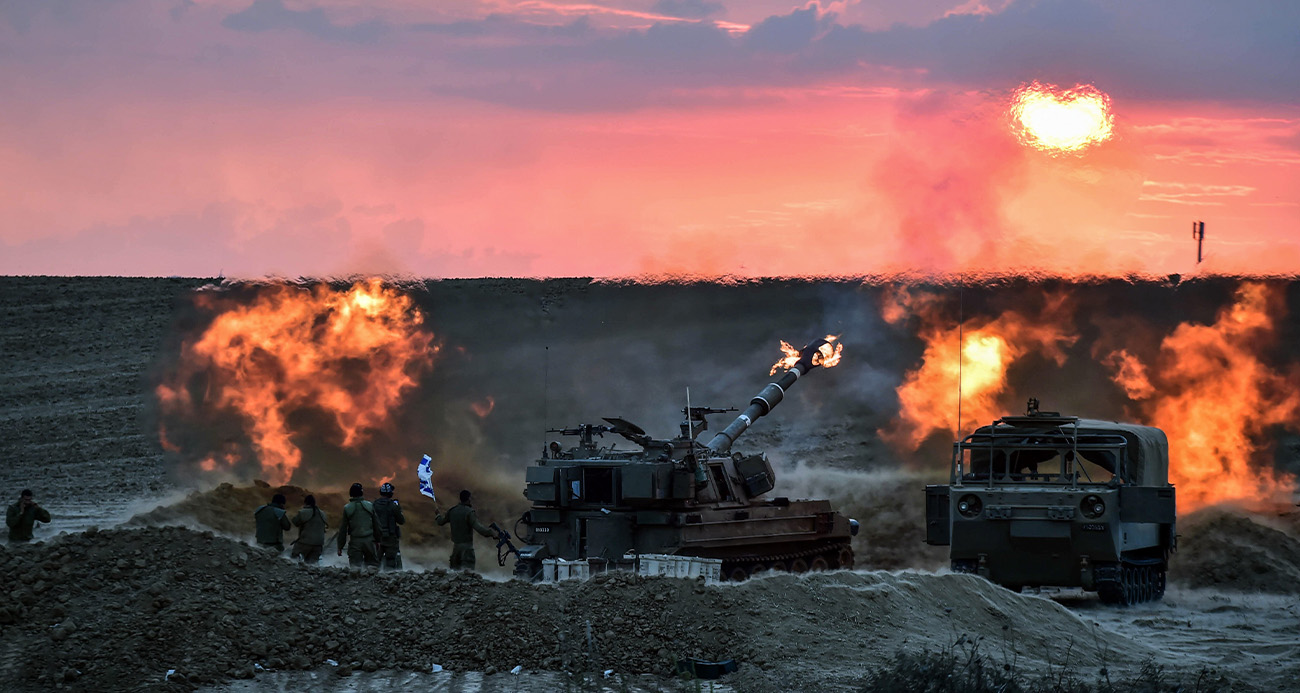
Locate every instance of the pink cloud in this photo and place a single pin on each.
(458, 142)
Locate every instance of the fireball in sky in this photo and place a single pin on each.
(1061, 121)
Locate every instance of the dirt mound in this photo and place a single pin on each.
(1234, 549)
(118, 609)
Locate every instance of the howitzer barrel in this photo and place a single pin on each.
(765, 400)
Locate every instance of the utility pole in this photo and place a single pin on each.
(1198, 232)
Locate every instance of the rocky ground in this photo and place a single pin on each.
(119, 609)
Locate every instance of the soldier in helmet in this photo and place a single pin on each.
(24, 515)
(311, 523)
(389, 514)
(272, 520)
(463, 522)
(360, 523)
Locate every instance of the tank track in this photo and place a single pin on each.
(1130, 583)
(827, 557)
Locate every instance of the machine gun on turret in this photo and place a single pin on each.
(586, 434)
(695, 422)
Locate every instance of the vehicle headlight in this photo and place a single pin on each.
(1092, 507)
(970, 505)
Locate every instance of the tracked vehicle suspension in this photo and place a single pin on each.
(832, 557)
(1130, 582)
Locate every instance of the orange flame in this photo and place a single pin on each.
(1216, 399)
(826, 356)
(1061, 120)
(928, 395)
(482, 409)
(787, 361)
(349, 354)
(165, 442)
(1130, 374)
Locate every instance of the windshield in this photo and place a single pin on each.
(1025, 461)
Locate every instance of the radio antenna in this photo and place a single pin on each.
(546, 382)
(961, 340)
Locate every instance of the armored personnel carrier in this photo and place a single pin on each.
(678, 496)
(1045, 499)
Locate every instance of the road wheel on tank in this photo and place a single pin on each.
(798, 565)
(778, 567)
(738, 574)
(819, 563)
(844, 559)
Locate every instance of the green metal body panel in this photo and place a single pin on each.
(1027, 505)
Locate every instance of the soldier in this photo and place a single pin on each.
(462, 519)
(389, 514)
(272, 520)
(22, 516)
(359, 521)
(311, 523)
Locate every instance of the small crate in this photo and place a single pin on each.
(554, 569)
(652, 564)
(708, 568)
(690, 567)
(579, 570)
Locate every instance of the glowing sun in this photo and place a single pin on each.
(1061, 121)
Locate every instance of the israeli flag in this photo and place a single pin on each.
(426, 476)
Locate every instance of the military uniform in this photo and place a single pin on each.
(272, 520)
(389, 515)
(463, 522)
(21, 520)
(360, 523)
(311, 523)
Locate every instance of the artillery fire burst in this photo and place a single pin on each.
(826, 356)
(1208, 388)
(351, 355)
(1217, 399)
(975, 365)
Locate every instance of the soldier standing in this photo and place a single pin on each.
(389, 514)
(311, 523)
(359, 521)
(463, 521)
(24, 515)
(272, 520)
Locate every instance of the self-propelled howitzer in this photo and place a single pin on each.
(679, 496)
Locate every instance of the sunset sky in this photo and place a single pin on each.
(619, 138)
